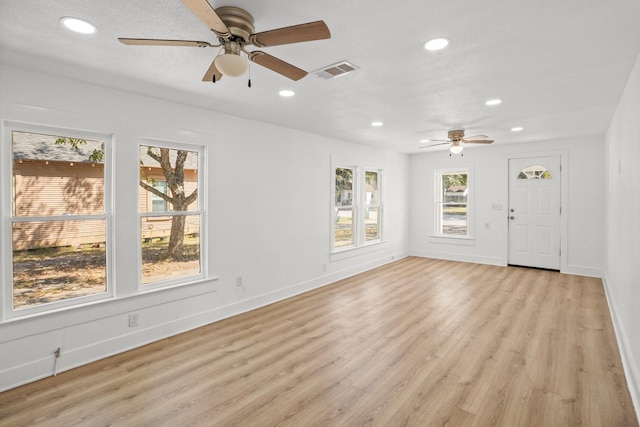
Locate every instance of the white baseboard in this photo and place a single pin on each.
(583, 271)
(631, 370)
(459, 257)
(74, 357)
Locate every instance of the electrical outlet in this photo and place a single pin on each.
(133, 320)
(239, 281)
(324, 268)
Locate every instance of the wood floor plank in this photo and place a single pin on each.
(417, 342)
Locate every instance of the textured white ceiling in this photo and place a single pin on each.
(559, 66)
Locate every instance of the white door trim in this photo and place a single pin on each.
(564, 200)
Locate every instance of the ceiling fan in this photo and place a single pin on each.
(234, 29)
(456, 137)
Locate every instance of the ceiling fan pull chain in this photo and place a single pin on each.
(249, 82)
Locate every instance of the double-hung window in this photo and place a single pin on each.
(171, 214)
(357, 207)
(59, 222)
(452, 203)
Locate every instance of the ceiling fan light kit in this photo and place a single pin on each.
(456, 148)
(234, 29)
(230, 63)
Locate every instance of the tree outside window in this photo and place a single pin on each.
(60, 220)
(357, 208)
(452, 194)
(171, 230)
(344, 208)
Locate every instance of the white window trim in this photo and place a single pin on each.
(469, 238)
(200, 211)
(359, 185)
(6, 203)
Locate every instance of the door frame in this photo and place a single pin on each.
(564, 200)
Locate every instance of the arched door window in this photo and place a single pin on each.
(534, 172)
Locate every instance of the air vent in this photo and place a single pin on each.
(336, 70)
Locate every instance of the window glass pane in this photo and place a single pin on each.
(371, 192)
(534, 172)
(158, 204)
(170, 244)
(344, 235)
(372, 223)
(56, 175)
(178, 169)
(344, 187)
(452, 218)
(170, 247)
(57, 260)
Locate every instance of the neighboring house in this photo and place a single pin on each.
(51, 180)
(456, 193)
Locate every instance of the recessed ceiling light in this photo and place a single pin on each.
(78, 25)
(436, 44)
(376, 124)
(286, 93)
(517, 129)
(493, 102)
(424, 140)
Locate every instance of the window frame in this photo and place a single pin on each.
(9, 218)
(438, 203)
(359, 205)
(200, 212)
(377, 205)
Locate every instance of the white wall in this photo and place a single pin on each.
(269, 193)
(582, 189)
(622, 271)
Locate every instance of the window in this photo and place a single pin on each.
(171, 214)
(357, 209)
(372, 206)
(158, 204)
(534, 172)
(344, 209)
(452, 202)
(60, 223)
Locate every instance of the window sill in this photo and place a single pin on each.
(451, 240)
(340, 254)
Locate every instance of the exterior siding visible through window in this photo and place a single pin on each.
(171, 225)
(452, 207)
(60, 216)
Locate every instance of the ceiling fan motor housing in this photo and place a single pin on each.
(456, 135)
(239, 21)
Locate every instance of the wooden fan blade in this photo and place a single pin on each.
(203, 10)
(277, 65)
(435, 145)
(478, 141)
(212, 71)
(310, 31)
(160, 42)
(466, 138)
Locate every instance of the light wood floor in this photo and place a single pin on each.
(418, 342)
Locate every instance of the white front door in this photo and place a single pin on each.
(534, 212)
